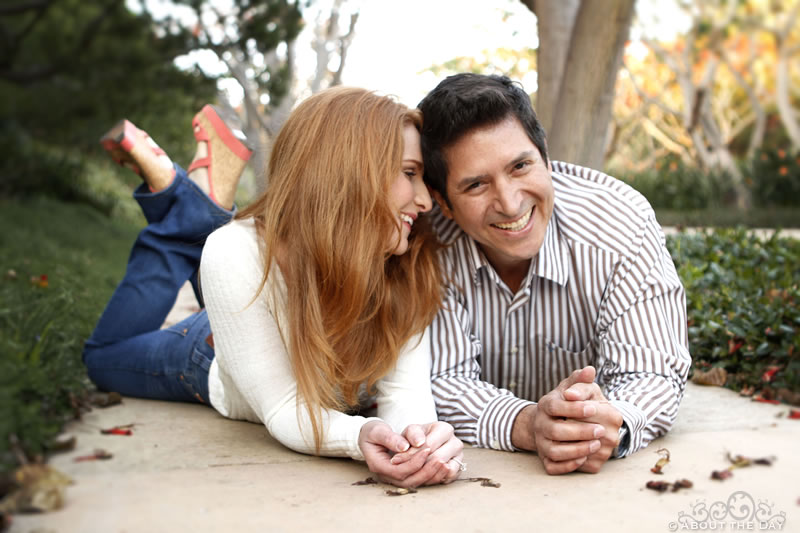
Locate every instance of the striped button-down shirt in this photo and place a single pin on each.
(602, 291)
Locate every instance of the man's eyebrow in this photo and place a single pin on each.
(527, 154)
(463, 183)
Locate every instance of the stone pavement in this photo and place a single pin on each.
(185, 468)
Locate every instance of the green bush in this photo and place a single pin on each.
(775, 178)
(742, 305)
(772, 177)
(672, 184)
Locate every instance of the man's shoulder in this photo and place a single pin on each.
(599, 210)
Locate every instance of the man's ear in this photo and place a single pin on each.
(446, 211)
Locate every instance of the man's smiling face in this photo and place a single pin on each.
(500, 192)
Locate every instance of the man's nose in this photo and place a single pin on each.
(507, 197)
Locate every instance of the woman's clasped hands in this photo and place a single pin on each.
(426, 454)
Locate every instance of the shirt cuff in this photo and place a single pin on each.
(635, 421)
(497, 421)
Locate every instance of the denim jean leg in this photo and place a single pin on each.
(169, 364)
(165, 255)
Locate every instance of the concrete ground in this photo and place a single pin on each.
(186, 468)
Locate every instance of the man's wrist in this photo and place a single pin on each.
(522, 436)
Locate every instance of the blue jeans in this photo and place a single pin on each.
(127, 352)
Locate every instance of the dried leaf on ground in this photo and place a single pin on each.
(368, 481)
(98, 455)
(740, 461)
(40, 488)
(662, 462)
(721, 475)
(400, 491)
(62, 443)
(484, 481)
(716, 377)
(664, 486)
(105, 399)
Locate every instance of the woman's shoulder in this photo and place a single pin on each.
(232, 247)
(236, 237)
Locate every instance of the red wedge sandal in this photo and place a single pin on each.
(134, 148)
(224, 157)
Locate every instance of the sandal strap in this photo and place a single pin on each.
(203, 162)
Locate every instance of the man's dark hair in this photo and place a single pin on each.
(463, 102)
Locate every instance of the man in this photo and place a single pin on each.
(563, 329)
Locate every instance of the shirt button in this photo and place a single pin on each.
(512, 385)
(495, 444)
(514, 349)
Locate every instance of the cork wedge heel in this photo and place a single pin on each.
(224, 157)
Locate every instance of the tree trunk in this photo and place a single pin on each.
(554, 25)
(583, 94)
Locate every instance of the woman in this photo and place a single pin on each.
(317, 294)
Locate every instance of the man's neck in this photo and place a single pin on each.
(512, 274)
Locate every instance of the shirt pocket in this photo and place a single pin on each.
(557, 363)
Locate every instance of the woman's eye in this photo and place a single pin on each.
(411, 174)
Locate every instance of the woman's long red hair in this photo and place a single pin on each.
(326, 219)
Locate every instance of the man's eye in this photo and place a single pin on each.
(473, 186)
(521, 165)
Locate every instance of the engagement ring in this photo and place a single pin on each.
(462, 467)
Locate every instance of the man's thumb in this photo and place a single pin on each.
(582, 375)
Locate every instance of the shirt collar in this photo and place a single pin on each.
(550, 263)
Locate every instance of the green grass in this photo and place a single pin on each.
(42, 329)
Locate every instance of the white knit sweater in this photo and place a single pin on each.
(251, 376)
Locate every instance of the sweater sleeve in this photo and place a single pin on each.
(250, 351)
(404, 395)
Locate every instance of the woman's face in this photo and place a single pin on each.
(408, 195)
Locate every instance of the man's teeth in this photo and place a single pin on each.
(406, 218)
(518, 225)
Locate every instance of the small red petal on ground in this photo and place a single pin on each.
(116, 431)
(759, 398)
(721, 474)
(794, 414)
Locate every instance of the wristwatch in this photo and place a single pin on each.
(624, 440)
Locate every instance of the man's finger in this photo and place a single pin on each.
(574, 430)
(583, 375)
(559, 408)
(564, 467)
(566, 451)
(584, 391)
